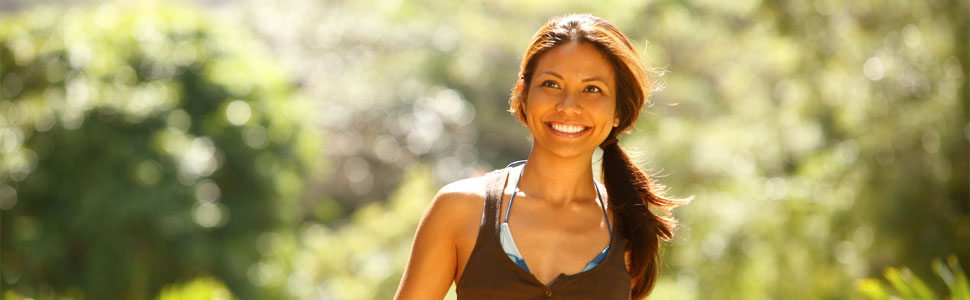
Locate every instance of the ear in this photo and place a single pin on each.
(520, 91)
(616, 121)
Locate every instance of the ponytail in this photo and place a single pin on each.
(631, 194)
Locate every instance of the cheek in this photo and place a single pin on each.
(535, 102)
(610, 111)
(531, 104)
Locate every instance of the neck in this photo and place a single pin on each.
(558, 180)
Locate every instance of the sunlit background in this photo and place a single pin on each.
(287, 149)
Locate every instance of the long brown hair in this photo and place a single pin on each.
(643, 212)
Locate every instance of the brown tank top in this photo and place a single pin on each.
(490, 274)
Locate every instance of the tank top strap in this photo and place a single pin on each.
(494, 188)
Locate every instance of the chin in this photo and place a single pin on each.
(565, 150)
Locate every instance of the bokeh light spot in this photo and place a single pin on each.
(255, 136)
(178, 121)
(238, 112)
(147, 173)
(207, 191)
(873, 69)
(8, 197)
(210, 215)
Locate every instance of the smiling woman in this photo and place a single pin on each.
(581, 84)
(571, 101)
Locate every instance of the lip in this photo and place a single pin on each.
(580, 133)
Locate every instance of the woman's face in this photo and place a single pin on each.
(570, 106)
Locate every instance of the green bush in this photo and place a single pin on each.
(198, 289)
(905, 285)
(142, 145)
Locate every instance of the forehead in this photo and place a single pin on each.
(575, 60)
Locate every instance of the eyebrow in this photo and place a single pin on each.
(594, 78)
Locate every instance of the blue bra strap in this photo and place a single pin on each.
(516, 163)
(599, 196)
(605, 215)
(509, 209)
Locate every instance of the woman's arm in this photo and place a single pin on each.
(432, 265)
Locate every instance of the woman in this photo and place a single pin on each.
(542, 228)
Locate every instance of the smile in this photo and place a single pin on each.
(567, 129)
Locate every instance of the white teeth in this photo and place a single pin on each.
(567, 128)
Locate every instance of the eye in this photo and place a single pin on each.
(549, 84)
(592, 89)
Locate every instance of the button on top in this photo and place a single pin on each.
(548, 293)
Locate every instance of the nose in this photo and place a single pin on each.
(568, 104)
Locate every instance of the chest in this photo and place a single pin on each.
(552, 240)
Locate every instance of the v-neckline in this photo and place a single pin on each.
(561, 276)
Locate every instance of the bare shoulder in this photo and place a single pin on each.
(461, 198)
(441, 239)
(456, 211)
(467, 189)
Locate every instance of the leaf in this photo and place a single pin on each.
(872, 288)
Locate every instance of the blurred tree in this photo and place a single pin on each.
(394, 85)
(824, 141)
(142, 145)
(362, 258)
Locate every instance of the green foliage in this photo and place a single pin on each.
(142, 145)
(823, 140)
(905, 285)
(198, 289)
(360, 259)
